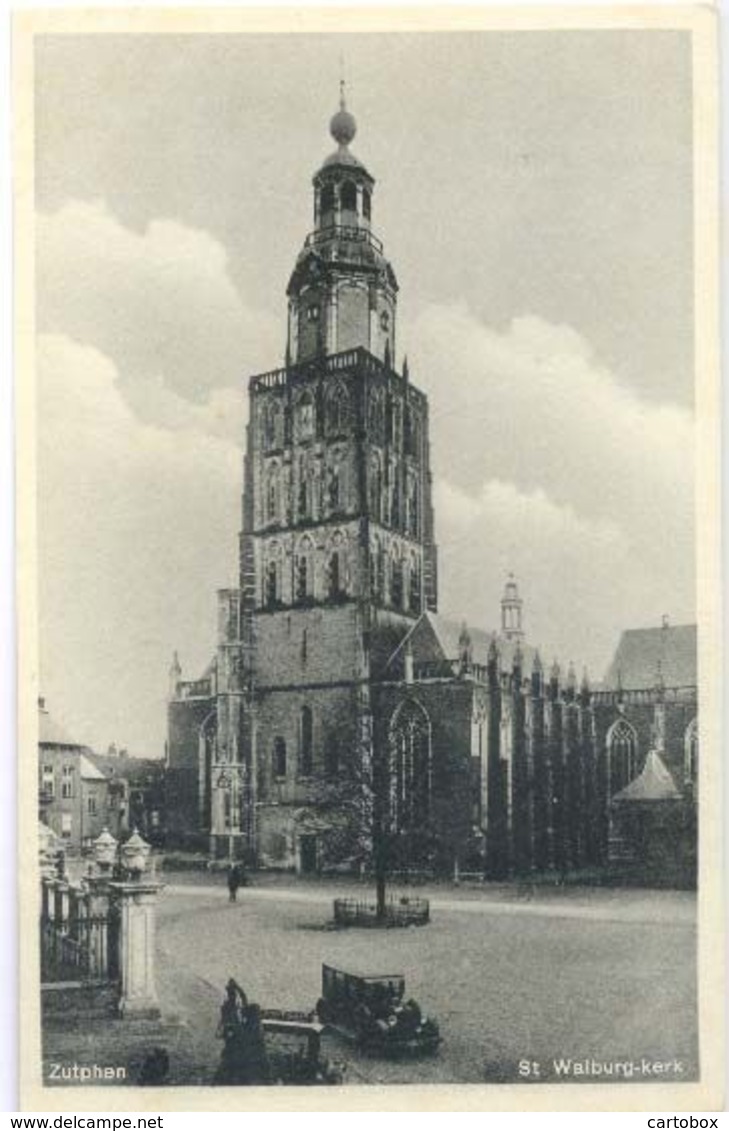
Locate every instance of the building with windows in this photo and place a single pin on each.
(81, 792)
(340, 705)
(71, 792)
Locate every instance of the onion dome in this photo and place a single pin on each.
(343, 128)
(343, 125)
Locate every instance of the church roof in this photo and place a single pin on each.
(644, 655)
(436, 638)
(654, 783)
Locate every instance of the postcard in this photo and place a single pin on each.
(368, 570)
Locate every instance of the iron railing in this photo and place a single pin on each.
(343, 232)
(405, 911)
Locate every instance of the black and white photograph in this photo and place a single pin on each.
(369, 431)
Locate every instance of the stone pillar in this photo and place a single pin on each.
(496, 796)
(591, 813)
(540, 764)
(573, 776)
(521, 799)
(136, 900)
(557, 767)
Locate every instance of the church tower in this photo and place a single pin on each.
(338, 557)
(343, 292)
(338, 497)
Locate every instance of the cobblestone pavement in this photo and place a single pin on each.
(580, 974)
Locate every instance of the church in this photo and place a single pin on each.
(342, 714)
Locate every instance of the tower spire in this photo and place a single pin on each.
(343, 291)
(511, 611)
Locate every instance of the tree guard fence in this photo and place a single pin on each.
(403, 911)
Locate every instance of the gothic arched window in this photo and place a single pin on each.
(273, 494)
(622, 748)
(336, 585)
(376, 570)
(336, 568)
(396, 507)
(412, 431)
(305, 571)
(376, 416)
(691, 754)
(396, 582)
(348, 196)
(413, 507)
(305, 417)
(327, 199)
(279, 757)
(303, 492)
(414, 584)
(375, 488)
(338, 410)
(409, 767)
(271, 584)
(334, 488)
(395, 419)
(366, 203)
(272, 424)
(273, 575)
(306, 749)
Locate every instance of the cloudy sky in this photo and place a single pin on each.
(534, 196)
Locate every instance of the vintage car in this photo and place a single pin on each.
(293, 1050)
(371, 1010)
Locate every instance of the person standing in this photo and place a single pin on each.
(233, 882)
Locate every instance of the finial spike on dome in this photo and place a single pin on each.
(342, 95)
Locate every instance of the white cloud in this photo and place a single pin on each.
(137, 529)
(548, 466)
(572, 572)
(160, 303)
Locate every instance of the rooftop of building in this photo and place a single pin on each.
(435, 639)
(88, 770)
(653, 783)
(51, 733)
(123, 765)
(647, 656)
